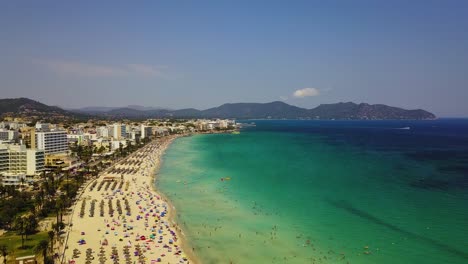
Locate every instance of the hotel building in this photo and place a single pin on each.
(52, 142)
(17, 159)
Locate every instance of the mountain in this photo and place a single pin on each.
(348, 111)
(93, 109)
(351, 110)
(278, 110)
(144, 108)
(187, 112)
(255, 110)
(274, 110)
(104, 109)
(25, 107)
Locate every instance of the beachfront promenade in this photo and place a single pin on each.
(119, 218)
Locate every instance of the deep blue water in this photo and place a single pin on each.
(324, 192)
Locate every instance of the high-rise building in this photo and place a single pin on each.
(123, 131)
(117, 131)
(7, 135)
(102, 132)
(42, 126)
(17, 159)
(4, 159)
(52, 142)
(146, 131)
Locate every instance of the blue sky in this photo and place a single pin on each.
(411, 54)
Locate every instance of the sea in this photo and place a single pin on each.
(302, 191)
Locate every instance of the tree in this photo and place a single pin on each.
(22, 182)
(20, 226)
(58, 208)
(4, 251)
(58, 227)
(51, 234)
(41, 248)
(30, 224)
(101, 149)
(39, 199)
(67, 173)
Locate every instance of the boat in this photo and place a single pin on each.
(235, 132)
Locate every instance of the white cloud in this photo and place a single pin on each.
(283, 98)
(306, 92)
(145, 69)
(94, 70)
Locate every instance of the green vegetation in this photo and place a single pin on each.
(13, 244)
(21, 211)
(12, 203)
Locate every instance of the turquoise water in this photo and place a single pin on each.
(316, 195)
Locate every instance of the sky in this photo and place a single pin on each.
(201, 54)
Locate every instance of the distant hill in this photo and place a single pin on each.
(274, 110)
(279, 110)
(20, 105)
(25, 107)
(348, 111)
(256, 110)
(366, 111)
(96, 110)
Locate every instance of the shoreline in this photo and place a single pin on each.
(173, 212)
(150, 228)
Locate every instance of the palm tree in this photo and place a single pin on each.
(68, 183)
(39, 200)
(41, 248)
(51, 234)
(22, 182)
(4, 251)
(20, 225)
(30, 224)
(58, 208)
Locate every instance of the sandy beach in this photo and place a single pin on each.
(120, 218)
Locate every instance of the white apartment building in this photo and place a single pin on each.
(42, 126)
(76, 138)
(115, 144)
(117, 131)
(133, 135)
(17, 159)
(8, 179)
(52, 142)
(146, 131)
(102, 132)
(4, 159)
(90, 136)
(12, 125)
(8, 135)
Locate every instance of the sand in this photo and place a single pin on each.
(120, 218)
